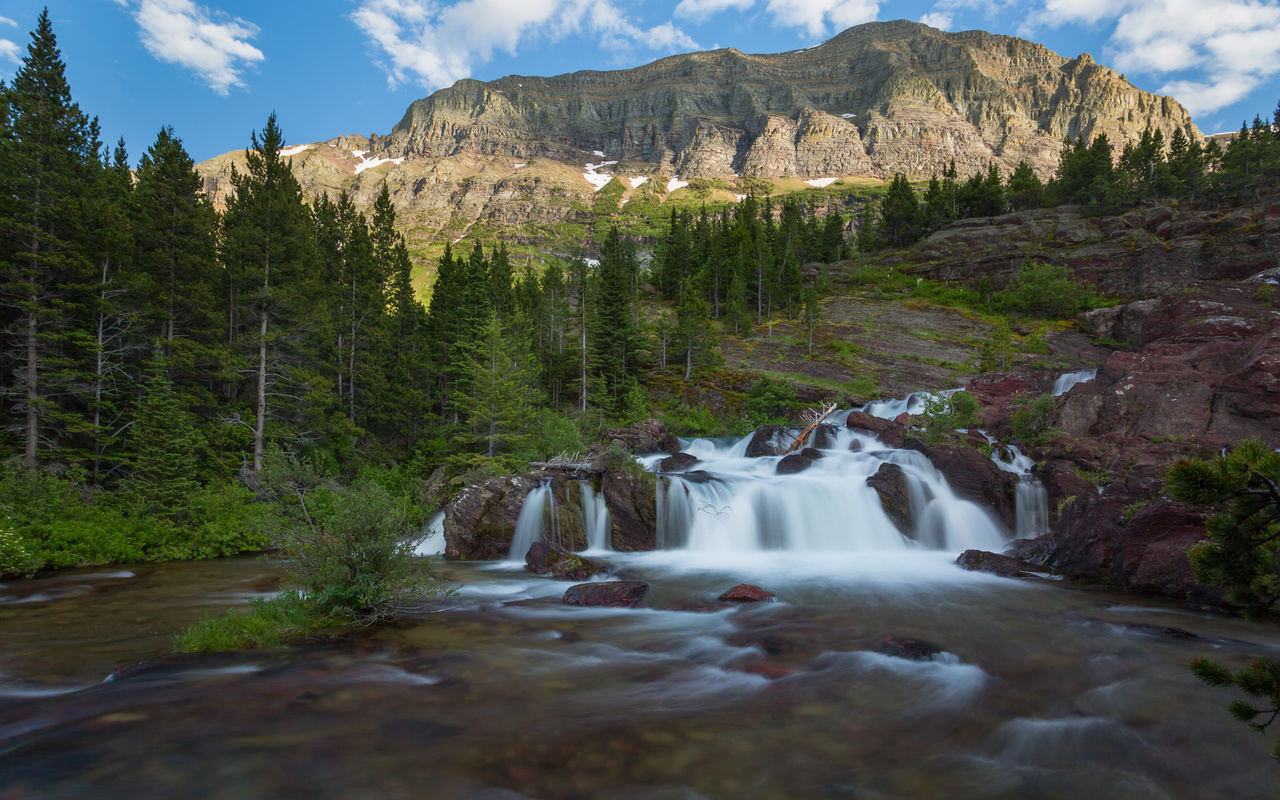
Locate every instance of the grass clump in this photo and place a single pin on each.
(270, 622)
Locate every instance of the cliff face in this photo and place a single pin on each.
(876, 99)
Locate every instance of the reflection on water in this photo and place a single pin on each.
(1042, 690)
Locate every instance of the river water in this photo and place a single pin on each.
(1046, 690)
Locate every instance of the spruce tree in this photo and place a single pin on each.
(269, 250)
(48, 155)
(162, 445)
(496, 391)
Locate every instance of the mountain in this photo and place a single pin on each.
(879, 98)
(520, 157)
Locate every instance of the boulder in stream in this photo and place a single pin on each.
(973, 476)
(676, 462)
(996, 564)
(891, 432)
(768, 440)
(607, 594)
(890, 482)
(906, 647)
(747, 593)
(545, 559)
(798, 462)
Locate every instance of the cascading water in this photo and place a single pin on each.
(595, 518)
(1069, 379)
(1032, 499)
(529, 525)
(912, 404)
(741, 504)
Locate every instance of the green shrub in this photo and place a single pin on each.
(1048, 292)
(1030, 422)
(941, 416)
(770, 401)
(351, 550)
(551, 434)
(15, 557)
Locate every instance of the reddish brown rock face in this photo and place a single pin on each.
(972, 476)
(650, 436)
(609, 594)
(892, 432)
(747, 593)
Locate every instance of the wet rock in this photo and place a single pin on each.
(1062, 481)
(772, 644)
(891, 432)
(768, 440)
(855, 446)
(650, 436)
(891, 484)
(824, 437)
(547, 560)
(747, 593)
(1133, 539)
(480, 520)
(698, 606)
(798, 462)
(769, 669)
(904, 647)
(997, 564)
(633, 514)
(608, 594)
(972, 476)
(679, 461)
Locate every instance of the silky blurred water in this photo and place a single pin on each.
(1043, 690)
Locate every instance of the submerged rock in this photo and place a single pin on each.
(890, 482)
(609, 594)
(747, 593)
(904, 647)
(996, 564)
(700, 606)
(547, 560)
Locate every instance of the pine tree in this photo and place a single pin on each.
(1025, 189)
(695, 331)
(812, 312)
(900, 216)
(48, 154)
(162, 445)
(496, 391)
(269, 250)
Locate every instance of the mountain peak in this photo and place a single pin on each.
(884, 97)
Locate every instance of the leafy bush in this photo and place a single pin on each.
(15, 558)
(942, 415)
(1048, 292)
(769, 401)
(1030, 422)
(351, 550)
(551, 434)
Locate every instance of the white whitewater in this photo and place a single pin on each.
(1069, 379)
(529, 525)
(740, 504)
(595, 519)
(1032, 500)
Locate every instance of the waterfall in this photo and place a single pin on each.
(911, 404)
(1068, 379)
(1032, 507)
(745, 506)
(432, 543)
(529, 524)
(595, 519)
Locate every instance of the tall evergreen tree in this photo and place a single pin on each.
(496, 390)
(268, 245)
(48, 155)
(162, 445)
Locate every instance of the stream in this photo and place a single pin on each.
(1042, 690)
(1045, 690)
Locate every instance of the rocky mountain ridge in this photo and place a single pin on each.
(876, 99)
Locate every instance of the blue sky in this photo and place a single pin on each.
(214, 69)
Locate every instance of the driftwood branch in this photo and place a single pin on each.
(814, 419)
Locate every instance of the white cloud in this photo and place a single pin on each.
(9, 50)
(813, 15)
(1231, 45)
(939, 19)
(435, 45)
(7, 21)
(699, 10)
(183, 33)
